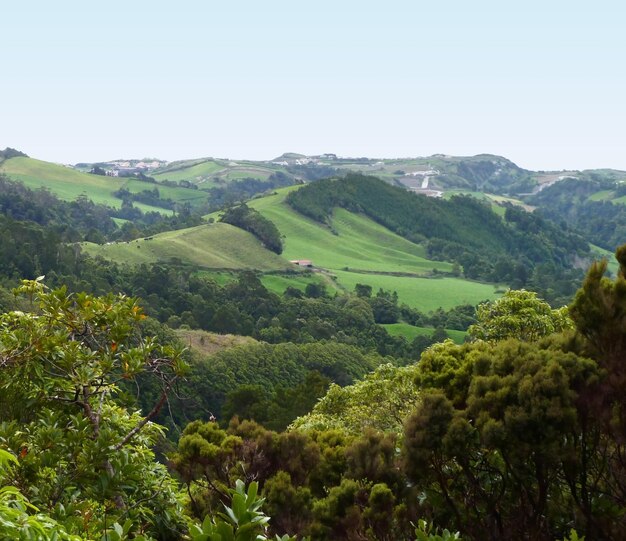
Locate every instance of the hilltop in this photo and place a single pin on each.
(486, 173)
(213, 246)
(212, 182)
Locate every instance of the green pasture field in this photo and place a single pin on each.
(497, 201)
(363, 245)
(427, 294)
(238, 173)
(619, 200)
(410, 332)
(602, 195)
(194, 173)
(64, 182)
(355, 250)
(217, 246)
(608, 195)
(179, 195)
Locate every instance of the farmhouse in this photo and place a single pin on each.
(302, 262)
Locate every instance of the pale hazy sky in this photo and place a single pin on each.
(540, 82)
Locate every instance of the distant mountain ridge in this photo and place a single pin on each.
(482, 172)
(227, 180)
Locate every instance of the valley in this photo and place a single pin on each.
(309, 312)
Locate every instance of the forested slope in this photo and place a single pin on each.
(462, 229)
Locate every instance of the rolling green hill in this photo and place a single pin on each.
(358, 250)
(355, 243)
(348, 247)
(209, 172)
(355, 250)
(217, 246)
(68, 184)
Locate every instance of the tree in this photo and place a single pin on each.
(380, 401)
(599, 312)
(498, 444)
(254, 222)
(315, 290)
(518, 314)
(84, 457)
(363, 290)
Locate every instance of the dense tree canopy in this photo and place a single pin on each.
(253, 221)
(518, 314)
(85, 459)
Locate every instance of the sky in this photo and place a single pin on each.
(540, 82)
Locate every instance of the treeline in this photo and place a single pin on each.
(246, 307)
(463, 230)
(9, 152)
(73, 220)
(253, 221)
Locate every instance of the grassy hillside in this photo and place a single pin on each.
(209, 172)
(353, 250)
(196, 171)
(65, 182)
(354, 243)
(209, 343)
(68, 184)
(358, 250)
(219, 246)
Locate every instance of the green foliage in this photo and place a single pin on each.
(573, 201)
(83, 457)
(242, 521)
(425, 531)
(573, 536)
(20, 520)
(380, 401)
(518, 314)
(496, 430)
(289, 506)
(275, 410)
(274, 370)
(251, 220)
